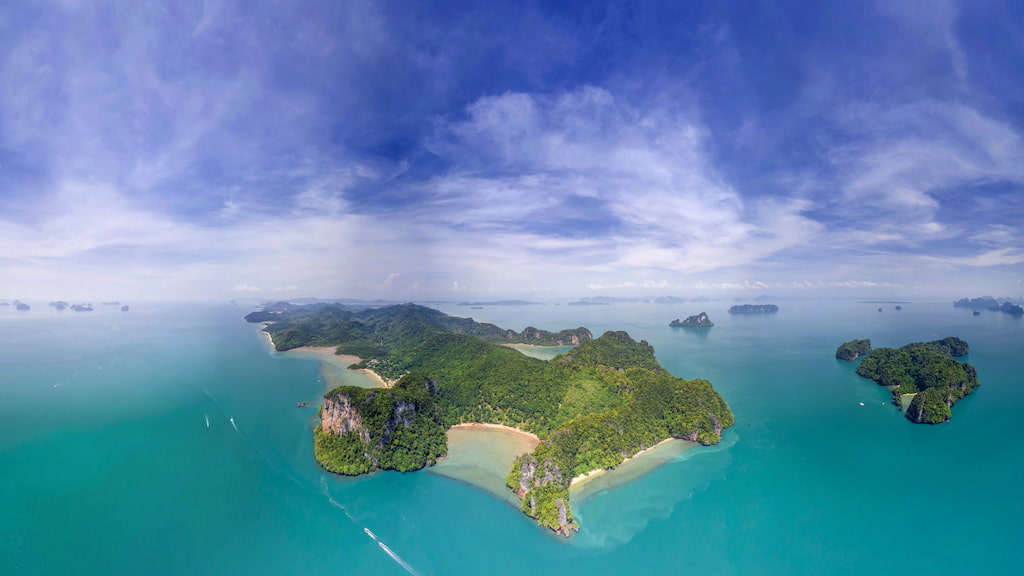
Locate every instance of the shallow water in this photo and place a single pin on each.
(482, 457)
(109, 466)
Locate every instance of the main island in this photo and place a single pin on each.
(593, 407)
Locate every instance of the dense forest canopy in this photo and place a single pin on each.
(927, 369)
(593, 406)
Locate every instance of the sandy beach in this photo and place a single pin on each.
(481, 455)
(334, 368)
(483, 425)
(630, 469)
(905, 400)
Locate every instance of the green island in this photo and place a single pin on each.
(926, 370)
(853, 349)
(592, 407)
(697, 321)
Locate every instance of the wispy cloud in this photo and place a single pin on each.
(210, 150)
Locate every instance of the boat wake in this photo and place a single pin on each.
(370, 533)
(398, 559)
(207, 416)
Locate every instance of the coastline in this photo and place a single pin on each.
(582, 478)
(481, 456)
(334, 368)
(484, 425)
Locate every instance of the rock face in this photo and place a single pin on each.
(339, 417)
(754, 309)
(854, 349)
(698, 321)
(544, 490)
(397, 428)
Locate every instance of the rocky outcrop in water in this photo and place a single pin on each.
(853, 349)
(697, 321)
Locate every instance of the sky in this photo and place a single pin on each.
(219, 149)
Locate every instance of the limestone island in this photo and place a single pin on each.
(926, 372)
(591, 408)
(754, 309)
(854, 349)
(989, 303)
(698, 321)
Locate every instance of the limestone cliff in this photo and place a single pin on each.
(397, 428)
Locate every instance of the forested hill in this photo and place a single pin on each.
(593, 406)
(390, 330)
(926, 369)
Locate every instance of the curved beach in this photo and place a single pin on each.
(481, 455)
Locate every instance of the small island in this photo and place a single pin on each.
(591, 408)
(853, 349)
(925, 372)
(989, 303)
(698, 321)
(19, 305)
(59, 304)
(754, 309)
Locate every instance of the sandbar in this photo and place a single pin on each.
(481, 455)
(334, 369)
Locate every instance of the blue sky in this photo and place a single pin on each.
(427, 150)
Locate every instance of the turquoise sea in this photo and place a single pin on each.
(108, 465)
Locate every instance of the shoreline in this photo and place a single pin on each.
(334, 368)
(481, 455)
(582, 478)
(485, 425)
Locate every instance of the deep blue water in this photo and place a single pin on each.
(107, 464)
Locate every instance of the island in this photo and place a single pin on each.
(592, 407)
(501, 303)
(19, 305)
(853, 349)
(82, 307)
(754, 309)
(59, 304)
(124, 308)
(927, 373)
(698, 321)
(989, 303)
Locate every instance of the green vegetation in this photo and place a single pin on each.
(593, 406)
(926, 369)
(387, 337)
(396, 428)
(854, 349)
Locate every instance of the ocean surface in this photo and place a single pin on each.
(166, 440)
